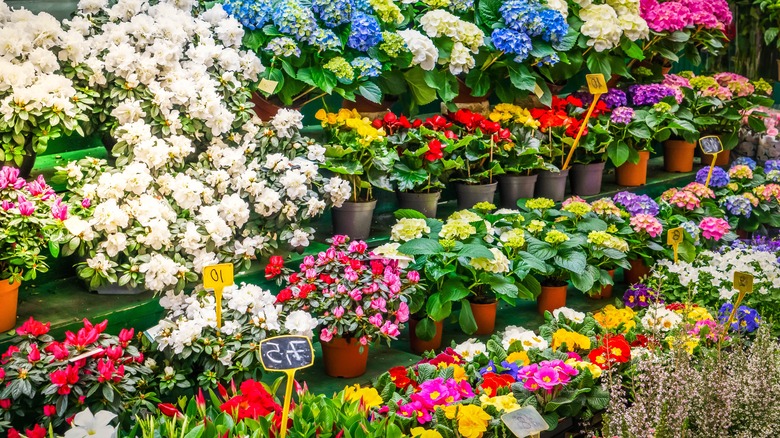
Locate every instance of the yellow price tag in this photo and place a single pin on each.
(711, 144)
(743, 282)
(216, 277)
(596, 83)
(267, 86)
(674, 237)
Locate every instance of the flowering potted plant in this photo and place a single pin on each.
(630, 147)
(39, 102)
(425, 159)
(521, 157)
(32, 218)
(590, 156)
(479, 138)
(44, 384)
(188, 349)
(358, 152)
(465, 259)
(358, 297)
(644, 241)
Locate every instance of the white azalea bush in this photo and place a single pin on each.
(156, 221)
(188, 351)
(159, 61)
(37, 102)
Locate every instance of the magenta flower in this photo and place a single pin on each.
(39, 188)
(339, 239)
(358, 246)
(326, 335)
(7, 205)
(26, 208)
(338, 312)
(9, 177)
(685, 199)
(668, 17)
(714, 228)
(390, 329)
(376, 320)
(403, 312)
(415, 410)
(59, 210)
(547, 377)
(433, 393)
(86, 202)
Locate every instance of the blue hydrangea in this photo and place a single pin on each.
(333, 12)
(293, 19)
(283, 47)
(771, 165)
(253, 14)
(556, 26)
(325, 39)
(720, 178)
(366, 32)
(519, 14)
(461, 5)
(514, 42)
(548, 60)
(363, 6)
(367, 67)
(745, 161)
(738, 205)
(692, 229)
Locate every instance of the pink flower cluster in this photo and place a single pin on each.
(676, 15)
(647, 223)
(700, 190)
(548, 375)
(684, 199)
(737, 84)
(353, 292)
(741, 171)
(714, 228)
(19, 196)
(432, 394)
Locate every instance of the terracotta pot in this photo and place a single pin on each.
(469, 195)
(9, 297)
(551, 298)
(722, 160)
(485, 316)
(511, 188)
(678, 155)
(742, 234)
(606, 291)
(465, 96)
(264, 108)
(425, 203)
(666, 68)
(633, 175)
(638, 270)
(420, 346)
(343, 358)
(354, 219)
(586, 179)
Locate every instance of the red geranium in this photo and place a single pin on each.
(274, 267)
(491, 382)
(437, 123)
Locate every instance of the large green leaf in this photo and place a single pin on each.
(489, 12)
(521, 78)
(466, 319)
(408, 213)
(438, 309)
(422, 246)
(478, 81)
(541, 250)
(371, 91)
(572, 261)
(501, 286)
(421, 92)
(454, 290)
(598, 62)
(473, 250)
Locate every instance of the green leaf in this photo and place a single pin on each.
(583, 281)
(408, 213)
(770, 34)
(501, 286)
(479, 82)
(489, 12)
(618, 152)
(634, 51)
(473, 250)
(573, 261)
(426, 329)
(421, 92)
(466, 319)
(541, 250)
(521, 78)
(371, 91)
(437, 309)
(421, 246)
(454, 290)
(598, 62)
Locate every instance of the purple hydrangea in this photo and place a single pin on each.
(649, 94)
(738, 205)
(636, 204)
(720, 178)
(639, 296)
(622, 115)
(745, 161)
(756, 244)
(615, 98)
(771, 165)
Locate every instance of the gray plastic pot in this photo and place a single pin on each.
(514, 187)
(469, 195)
(425, 203)
(551, 185)
(354, 219)
(586, 178)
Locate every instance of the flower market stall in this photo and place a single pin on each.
(381, 218)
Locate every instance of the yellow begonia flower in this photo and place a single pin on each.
(421, 432)
(519, 356)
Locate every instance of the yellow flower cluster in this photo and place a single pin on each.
(484, 206)
(607, 240)
(472, 420)
(519, 356)
(595, 371)
(465, 215)
(421, 432)
(555, 237)
(351, 120)
(695, 314)
(689, 343)
(502, 403)
(572, 340)
(539, 203)
(578, 208)
(407, 229)
(457, 229)
(536, 226)
(505, 112)
(498, 265)
(611, 317)
(369, 396)
(513, 238)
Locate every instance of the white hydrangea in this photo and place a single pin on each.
(424, 51)
(390, 251)
(407, 229)
(499, 264)
(601, 27)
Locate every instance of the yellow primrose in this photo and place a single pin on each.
(459, 373)
(519, 356)
(611, 317)
(369, 396)
(421, 432)
(505, 403)
(699, 314)
(689, 343)
(572, 340)
(595, 371)
(472, 420)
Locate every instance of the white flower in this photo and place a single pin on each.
(299, 322)
(601, 27)
(87, 425)
(160, 272)
(570, 314)
(114, 244)
(390, 251)
(294, 183)
(471, 349)
(338, 190)
(530, 340)
(287, 122)
(300, 239)
(100, 263)
(277, 162)
(511, 335)
(424, 51)
(316, 153)
(407, 229)
(499, 264)
(79, 228)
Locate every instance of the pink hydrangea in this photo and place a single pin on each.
(647, 223)
(714, 228)
(686, 200)
(668, 17)
(741, 172)
(700, 190)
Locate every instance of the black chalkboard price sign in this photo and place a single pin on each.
(285, 353)
(711, 144)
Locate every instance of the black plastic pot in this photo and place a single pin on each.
(469, 195)
(425, 203)
(551, 185)
(354, 219)
(586, 178)
(514, 187)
